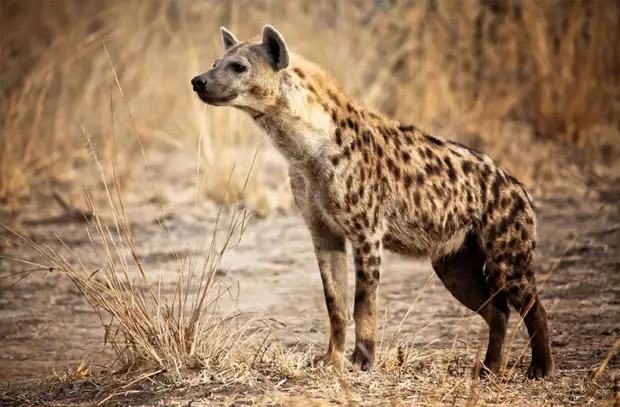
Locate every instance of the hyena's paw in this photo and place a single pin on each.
(540, 369)
(363, 357)
(329, 359)
(489, 371)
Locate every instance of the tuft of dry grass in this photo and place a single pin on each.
(149, 331)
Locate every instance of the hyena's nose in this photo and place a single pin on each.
(198, 83)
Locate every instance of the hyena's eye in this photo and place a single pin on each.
(237, 67)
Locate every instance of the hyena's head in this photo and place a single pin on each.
(246, 75)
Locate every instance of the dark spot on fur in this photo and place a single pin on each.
(406, 156)
(258, 92)
(490, 244)
(420, 179)
(406, 128)
(485, 172)
(470, 198)
(333, 97)
(502, 227)
(521, 259)
(439, 191)
(349, 108)
(417, 199)
(407, 180)
(451, 172)
(524, 235)
(512, 243)
(431, 169)
(329, 301)
(299, 73)
(334, 116)
(360, 296)
(473, 152)
(380, 151)
(349, 181)
(337, 324)
(429, 153)
(338, 136)
(376, 274)
(367, 135)
(374, 261)
(519, 203)
(391, 166)
(408, 140)
(434, 140)
(466, 166)
(496, 187)
(335, 160)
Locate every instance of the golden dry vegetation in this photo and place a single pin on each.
(96, 112)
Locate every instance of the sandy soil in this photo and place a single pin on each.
(46, 324)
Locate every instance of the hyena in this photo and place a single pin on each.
(361, 177)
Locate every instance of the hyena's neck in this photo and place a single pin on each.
(302, 119)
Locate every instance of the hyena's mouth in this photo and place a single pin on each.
(215, 100)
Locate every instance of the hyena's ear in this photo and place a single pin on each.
(275, 48)
(228, 39)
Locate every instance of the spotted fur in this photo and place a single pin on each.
(362, 177)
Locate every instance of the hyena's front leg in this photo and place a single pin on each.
(331, 255)
(367, 272)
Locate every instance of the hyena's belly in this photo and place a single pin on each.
(411, 240)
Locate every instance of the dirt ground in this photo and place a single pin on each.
(46, 324)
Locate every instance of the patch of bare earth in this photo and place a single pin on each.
(429, 341)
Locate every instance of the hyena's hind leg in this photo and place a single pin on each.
(510, 266)
(462, 274)
(522, 294)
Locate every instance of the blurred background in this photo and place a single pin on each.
(536, 84)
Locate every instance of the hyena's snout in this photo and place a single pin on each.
(199, 83)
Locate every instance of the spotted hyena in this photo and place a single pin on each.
(361, 177)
